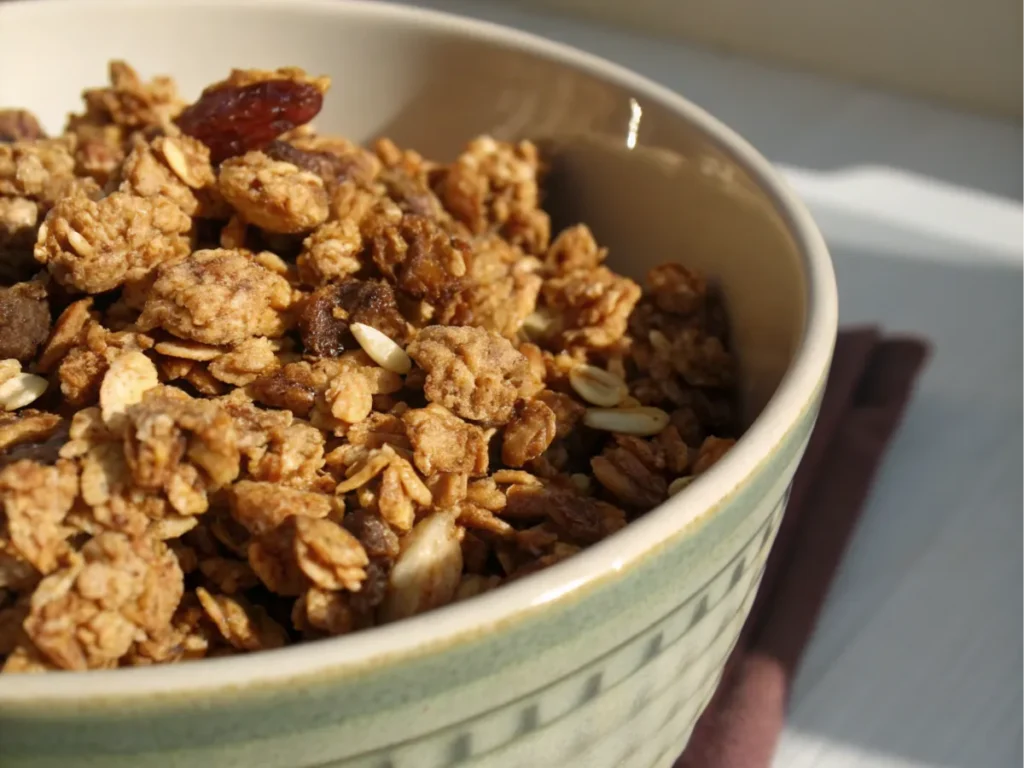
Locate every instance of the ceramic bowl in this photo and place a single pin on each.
(605, 660)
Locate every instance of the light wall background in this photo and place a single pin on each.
(962, 52)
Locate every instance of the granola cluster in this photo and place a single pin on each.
(260, 385)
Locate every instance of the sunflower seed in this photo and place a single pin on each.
(642, 422)
(597, 386)
(381, 349)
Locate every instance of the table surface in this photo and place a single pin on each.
(917, 660)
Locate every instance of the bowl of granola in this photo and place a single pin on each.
(379, 388)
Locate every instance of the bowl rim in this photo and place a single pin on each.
(438, 630)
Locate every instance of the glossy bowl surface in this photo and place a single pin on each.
(603, 660)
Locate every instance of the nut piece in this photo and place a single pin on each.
(129, 377)
(643, 422)
(21, 389)
(597, 386)
(679, 484)
(381, 349)
(427, 572)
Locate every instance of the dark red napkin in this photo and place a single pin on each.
(871, 381)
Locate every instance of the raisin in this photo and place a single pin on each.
(322, 333)
(232, 120)
(325, 165)
(374, 587)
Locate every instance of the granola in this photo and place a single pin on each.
(260, 385)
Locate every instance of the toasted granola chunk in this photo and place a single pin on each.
(171, 168)
(532, 429)
(420, 257)
(35, 499)
(95, 246)
(442, 442)
(331, 252)
(594, 306)
(217, 297)
(476, 374)
(40, 170)
(277, 196)
(119, 591)
(263, 506)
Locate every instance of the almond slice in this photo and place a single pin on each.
(597, 386)
(188, 350)
(21, 389)
(381, 349)
(642, 422)
(130, 376)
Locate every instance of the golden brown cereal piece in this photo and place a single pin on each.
(329, 556)
(493, 183)
(227, 575)
(528, 434)
(245, 363)
(40, 170)
(173, 168)
(594, 306)
(27, 431)
(35, 500)
(245, 626)
(701, 360)
(24, 320)
(261, 506)
(419, 257)
(442, 442)
(633, 471)
(401, 493)
(711, 450)
(129, 102)
(119, 591)
(167, 427)
(99, 151)
(68, 332)
(217, 297)
(331, 252)
(279, 197)
(481, 519)
(677, 289)
(501, 306)
(95, 246)
(476, 374)
(328, 612)
(574, 249)
(305, 552)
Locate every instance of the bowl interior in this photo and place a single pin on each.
(652, 186)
